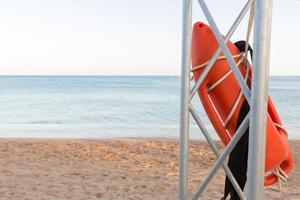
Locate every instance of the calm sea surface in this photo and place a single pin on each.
(113, 106)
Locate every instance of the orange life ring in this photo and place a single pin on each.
(219, 94)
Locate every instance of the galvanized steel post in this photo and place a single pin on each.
(259, 101)
(185, 97)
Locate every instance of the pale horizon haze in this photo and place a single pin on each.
(117, 37)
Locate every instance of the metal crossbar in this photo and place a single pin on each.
(216, 151)
(227, 53)
(257, 101)
(219, 50)
(234, 140)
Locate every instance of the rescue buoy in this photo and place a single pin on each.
(222, 100)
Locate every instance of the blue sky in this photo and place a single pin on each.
(122, 36)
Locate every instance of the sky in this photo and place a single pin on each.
(123, 37)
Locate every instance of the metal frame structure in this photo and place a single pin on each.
(257, 99)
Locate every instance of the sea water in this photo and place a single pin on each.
(114, 106)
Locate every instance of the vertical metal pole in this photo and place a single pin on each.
(185, 97)
(258, 104)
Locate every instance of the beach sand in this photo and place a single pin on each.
(111, 169)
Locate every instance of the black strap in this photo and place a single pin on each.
(238, 158)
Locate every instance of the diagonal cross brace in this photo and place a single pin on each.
(234, 140)
(231, 62)
(219, 50)
(216, 152)
(198, 83)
